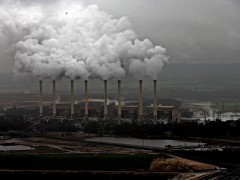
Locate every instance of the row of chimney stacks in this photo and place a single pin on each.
(105, 99)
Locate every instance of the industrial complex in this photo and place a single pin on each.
(118, 112)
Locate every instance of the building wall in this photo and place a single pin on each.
(171, 113)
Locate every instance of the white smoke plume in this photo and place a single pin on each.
(69, 39)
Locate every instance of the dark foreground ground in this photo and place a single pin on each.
(84, 166)
(39, 174)
(55, 158)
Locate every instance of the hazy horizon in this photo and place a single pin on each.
(177, 81)
(201, 39)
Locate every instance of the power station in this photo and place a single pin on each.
(120, 112)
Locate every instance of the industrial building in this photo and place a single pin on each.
(88, 109)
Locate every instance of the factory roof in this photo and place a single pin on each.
(160, 106)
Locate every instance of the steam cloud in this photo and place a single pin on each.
(76, 41)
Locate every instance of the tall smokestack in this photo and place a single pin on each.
(72, 98)
(155, 100)
(86, 100)
(40, 99)
(105, 99)
(54, 98)
(119, 101)
(140, 101)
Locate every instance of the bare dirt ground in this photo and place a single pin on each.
(48, 145)
(179, 164)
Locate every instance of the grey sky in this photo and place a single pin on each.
(192, 31)
(199, 31)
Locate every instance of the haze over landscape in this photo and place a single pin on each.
(201, 38)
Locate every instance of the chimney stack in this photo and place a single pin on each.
(72, 98)
(40, 99)
(86, 100)
(119, 101)
(140, 102)
(105, 99)
(54, 98)
(155, 100)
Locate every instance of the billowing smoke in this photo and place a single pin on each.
(76, 41)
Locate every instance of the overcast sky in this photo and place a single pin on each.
(192, 31)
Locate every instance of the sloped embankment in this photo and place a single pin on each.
(178, 164)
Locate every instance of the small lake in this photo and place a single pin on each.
(15, 148)
(158, 143)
